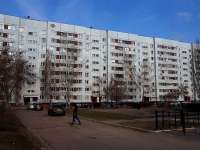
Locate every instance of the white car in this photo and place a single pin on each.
(31, 105)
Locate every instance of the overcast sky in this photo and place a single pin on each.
(170, 19)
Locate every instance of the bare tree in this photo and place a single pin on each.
(181, 90)
(98, 87)
(115, 90)
(48, 74)
(144, 78)
(73, 62)
(195, 62)
(128, 71)
(14, 74)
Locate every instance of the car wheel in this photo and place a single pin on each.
(51, 114)
(64, 114)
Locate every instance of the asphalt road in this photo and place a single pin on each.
(57, 134)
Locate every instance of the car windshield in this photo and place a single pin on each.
(57, 106)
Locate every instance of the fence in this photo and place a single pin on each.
(178, 120)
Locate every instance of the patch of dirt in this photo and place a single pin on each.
(13, 135)
(147, 125)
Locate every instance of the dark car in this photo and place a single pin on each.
(38, 106)
(120, 103)
(56, 109)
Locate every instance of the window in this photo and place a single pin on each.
(87, 38)
(112, 54)
(87, 89)
(95, 41)
(86, 81)
(63, 49)
(79, 51)
(70, 34)
(95, 55)
(21, 29)
(104, 46)
(87, 60)
(78, 89)
(42, 55)
(53, 32)
(43, 40)
(53, 48)
(53, 40)
(31, 57)
(53, 56)
(43, 47)
(32, 41)
(104, 39)
(79, 97)
(11, 27)
(21, 38)
(1, 26)
(87, 74)
(145, 47)
(95, 69)
(80, 36)
(10, 35)
(96, 48)
(43, 32)
(21, 45)
(86, 66)
(95, 62)
(32, 33)
(87, 52)
(42, 64)
(32, 49)
(33, 66)
(112, 40)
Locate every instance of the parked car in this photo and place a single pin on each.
(56, 109)
(31, 105)
(38, 106)
(120, 103)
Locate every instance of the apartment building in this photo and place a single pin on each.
(100, 54)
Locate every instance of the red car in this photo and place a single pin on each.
(38, 106)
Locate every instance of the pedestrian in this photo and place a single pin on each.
(75, 115)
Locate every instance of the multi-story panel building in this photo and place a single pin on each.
(98, 57)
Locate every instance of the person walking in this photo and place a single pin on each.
(75, 115)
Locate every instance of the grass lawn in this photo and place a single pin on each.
(99, 115)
